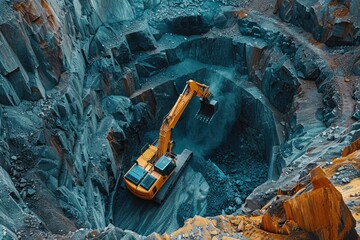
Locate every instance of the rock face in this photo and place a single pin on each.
(356, 67)
(334, 22)
(58, 60)
(290, 215)
(331, 219)
(107, 42)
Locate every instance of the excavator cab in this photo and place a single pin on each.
(207, 110)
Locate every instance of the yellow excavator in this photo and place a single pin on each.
(157, 169)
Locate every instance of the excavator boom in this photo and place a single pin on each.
(157, 169)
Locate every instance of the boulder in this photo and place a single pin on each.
(334, 23)
(356, 114)
(141, 39)
(248, 53)
(255, 26)
(106, 233)
(119, 107)
(151, 64)
(280, 84)
(8, 96)
(20, 81)
(44, 38)
(216, 51)
(8, 60)
(123, 84)
(12, 207)
(190, 25)
(111, 79)
(332, 218)
(15, 35)
(307, 64)
(356, 67)
(356, 91)
(164, 96)
(108, 42)
(110, 11)
(69, 202)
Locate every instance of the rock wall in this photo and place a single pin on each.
(289, 215)
(58, 132)
(331, 22)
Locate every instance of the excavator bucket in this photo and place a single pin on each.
(207, 110)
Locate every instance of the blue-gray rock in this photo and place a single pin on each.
(111, 79)
(110, 11)
(216, 51)
(249, 52)
(307, 69)
(108, 42)
(356, 67)
(70, 203)
(11, 206)
(334, 24)
(280, 84)
(141, 39)
(356, 114)
(151, 64)
(8, 96)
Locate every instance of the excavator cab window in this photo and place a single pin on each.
(165, 165)
(136, 174)
(148, 181)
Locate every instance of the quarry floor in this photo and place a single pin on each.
(215, 182)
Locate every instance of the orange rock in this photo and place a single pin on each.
(228, 238)
(302, 213)
(241, 226)
(352, 148)
(322, 211)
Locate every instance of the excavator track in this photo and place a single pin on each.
(181, 163)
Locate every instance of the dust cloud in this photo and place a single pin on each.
(200, 137)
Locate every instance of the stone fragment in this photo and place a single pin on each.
(190, 25)
(8, 96)
(141, 39)
(307, 64)
(280, 84)
(217, 51)
(111, 11)
(120, 107)
(108, 42)
(151, 64)
(30, 192)
(326, 222)
(356, 67)
(342, 20)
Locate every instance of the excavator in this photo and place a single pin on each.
(155, 172)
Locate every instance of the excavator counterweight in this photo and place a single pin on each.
(156, 171)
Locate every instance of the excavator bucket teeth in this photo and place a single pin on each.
(207, 110)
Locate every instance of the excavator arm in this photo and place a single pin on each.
(206, 112)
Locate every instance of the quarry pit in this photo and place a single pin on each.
(85, 85)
